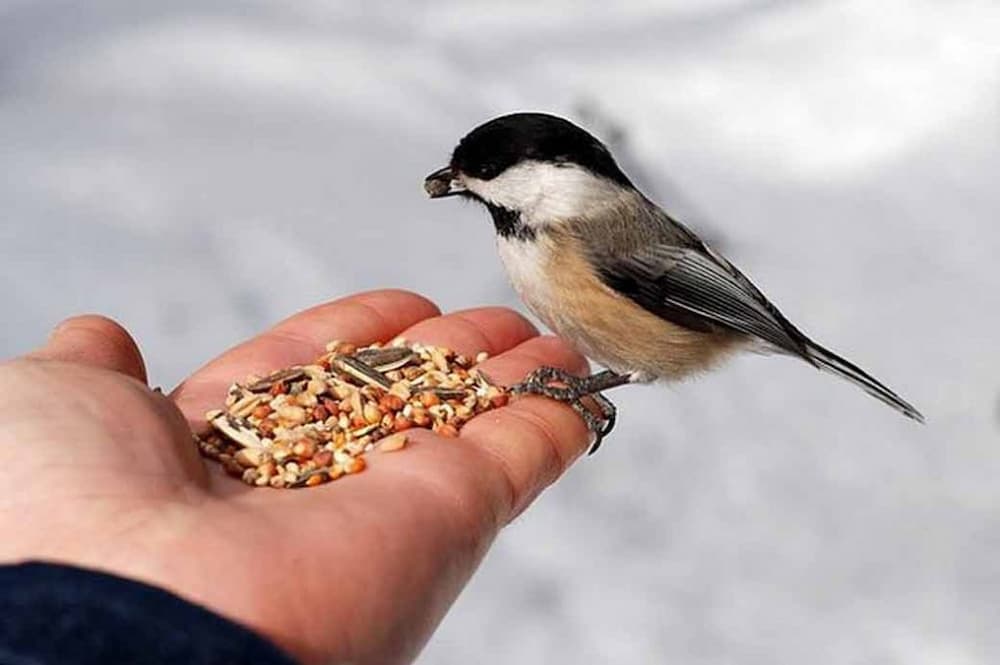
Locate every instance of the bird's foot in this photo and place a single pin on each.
(581, 393)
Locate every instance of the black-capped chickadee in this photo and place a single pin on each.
(612, 273)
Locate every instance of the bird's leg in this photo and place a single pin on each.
(564, 387)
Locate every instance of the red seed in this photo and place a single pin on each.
(355, 465)
(262, 411)
(304, 449)
(391, 403)
(447, 430)
(499, 400)
(420, 418)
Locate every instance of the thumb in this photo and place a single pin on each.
(94, 340)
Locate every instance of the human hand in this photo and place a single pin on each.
(101, 472)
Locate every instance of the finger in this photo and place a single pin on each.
(489, 329)
(526, 444)
(359, 319)
(532, 440)
(96, 341)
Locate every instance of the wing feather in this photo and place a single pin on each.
(695, 288)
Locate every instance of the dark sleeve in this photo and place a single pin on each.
(53, 614)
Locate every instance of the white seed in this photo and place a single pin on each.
(401, 389)
(341, 390)
(293, 414)
(392, 442)
(306, 399)
(249, 457)
(314, 372)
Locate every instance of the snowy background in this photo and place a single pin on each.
(200, 169)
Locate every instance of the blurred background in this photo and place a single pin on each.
(201, 169)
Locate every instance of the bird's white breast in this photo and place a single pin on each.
(525, 262)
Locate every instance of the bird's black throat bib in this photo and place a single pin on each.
(508, 223)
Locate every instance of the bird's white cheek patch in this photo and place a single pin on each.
(544, 192)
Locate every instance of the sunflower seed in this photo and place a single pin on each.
(362, 372)
(265, 384)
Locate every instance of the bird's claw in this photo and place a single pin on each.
(572, 390)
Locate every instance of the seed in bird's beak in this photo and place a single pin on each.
(442, 183)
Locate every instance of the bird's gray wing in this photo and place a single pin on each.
(696, 288)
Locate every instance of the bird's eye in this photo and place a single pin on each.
(487, 171)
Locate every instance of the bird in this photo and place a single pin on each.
(611, 272)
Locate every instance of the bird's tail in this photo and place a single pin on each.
(831, 362)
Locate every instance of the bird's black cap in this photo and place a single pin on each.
(493, 147)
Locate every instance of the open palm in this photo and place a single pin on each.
(104, 474)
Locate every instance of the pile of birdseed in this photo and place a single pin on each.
(310, 424)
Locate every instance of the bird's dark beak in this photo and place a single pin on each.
(442, 183)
